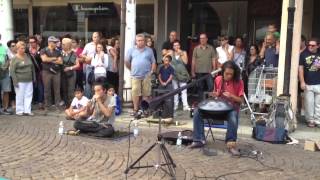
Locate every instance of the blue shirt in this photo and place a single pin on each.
(165, 73)
(141, 61)
(311, 63)
(271, 57)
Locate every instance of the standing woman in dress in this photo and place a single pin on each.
(23, 74)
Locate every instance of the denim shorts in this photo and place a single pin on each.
(5, 84)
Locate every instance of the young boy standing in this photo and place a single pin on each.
(166, 73)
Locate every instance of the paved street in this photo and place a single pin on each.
(32, 149)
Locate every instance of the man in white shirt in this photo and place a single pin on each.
(89, 51)
(225, 51)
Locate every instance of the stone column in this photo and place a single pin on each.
(30, 17)
(129, 43)
(297, 28)
(6, 28)
(283, 42)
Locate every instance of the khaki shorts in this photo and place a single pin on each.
(141, 87)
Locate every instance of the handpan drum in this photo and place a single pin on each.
(216, 109)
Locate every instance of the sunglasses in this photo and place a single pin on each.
(312, 45)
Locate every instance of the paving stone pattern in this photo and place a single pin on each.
(31, 149)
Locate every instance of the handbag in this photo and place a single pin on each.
(91, 77)
(69, 74)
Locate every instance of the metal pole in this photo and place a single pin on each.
(122, 47)
(286, 84)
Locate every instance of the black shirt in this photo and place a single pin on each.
(167, 45)
(36, 60)
(311, 63)
(55, 53)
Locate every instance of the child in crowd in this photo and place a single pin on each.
(111, 92)
(166, 73)
(78, 105)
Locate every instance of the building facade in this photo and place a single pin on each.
(245, 18)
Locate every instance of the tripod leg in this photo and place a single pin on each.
(168, 160)
(134, 163)
(210, 131)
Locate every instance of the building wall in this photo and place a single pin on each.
(307, 19)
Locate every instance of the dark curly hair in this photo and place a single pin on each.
(235, 67)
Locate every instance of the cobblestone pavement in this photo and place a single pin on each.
(32, 149)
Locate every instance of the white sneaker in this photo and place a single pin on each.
(186, 108)
(302, 112)
(317, 122)
(19, 114)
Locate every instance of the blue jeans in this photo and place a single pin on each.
(88, 87)
(198, 126)
(201, 84)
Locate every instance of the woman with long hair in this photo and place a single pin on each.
(228, 87)
(239, 53)
(100, 61)
(252, 61)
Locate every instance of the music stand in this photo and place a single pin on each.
(162, 151)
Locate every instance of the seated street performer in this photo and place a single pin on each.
(100, 112)
(229, 87)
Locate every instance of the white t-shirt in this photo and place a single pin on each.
(77, 104)
(89, 50)
(100, 64)
(222, 54)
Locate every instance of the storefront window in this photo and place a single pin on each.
(81, 19)
(216, 18)
(20, 21)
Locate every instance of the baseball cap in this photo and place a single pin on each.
(52, 39)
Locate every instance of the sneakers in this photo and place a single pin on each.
(167, 120)
(25, 114)
(317, 123)
(61, 103)
(186, 108)
(28, 114)
(311, 124)
(6, 112)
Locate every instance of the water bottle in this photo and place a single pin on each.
(179, 140)
(135, 129)
(60, 131)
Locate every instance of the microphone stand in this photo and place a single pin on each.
(162, 150)
(157, 105)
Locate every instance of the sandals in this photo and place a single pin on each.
(311, 124)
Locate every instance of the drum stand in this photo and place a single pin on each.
(162, 150)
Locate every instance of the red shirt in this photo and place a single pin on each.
(233, 87)
(78, 52)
